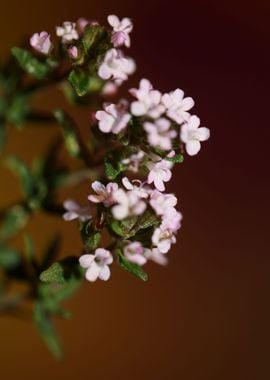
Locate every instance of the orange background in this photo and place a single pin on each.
(205, 316)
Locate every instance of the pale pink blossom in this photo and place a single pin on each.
(67, 32)
(121, 30)
(159, 172)
(134, 161)
(110, 88)
(114, 119)
(148, 100)
(177, 106)
(73, 52)
(41, 42)
(163, 239)
(136, 186)
(81, 24)
(75, 211)
(192, 135)
(128, 204)
(159, 133)
(115, 66)
(156, 256)
(104, 194)
(171, 220)
(134, 252)
(97, 265)
(161, 202)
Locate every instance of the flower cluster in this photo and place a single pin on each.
(148, 135)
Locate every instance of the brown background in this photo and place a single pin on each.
(205, 316)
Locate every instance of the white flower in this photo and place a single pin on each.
(161, 202)
(128, 204)
(148, 100)
(159, 172)
(134, 161)
(121, 30)
(192, 135)
(67, 31)
(163, 239)
(136, 186)
(114, 119)
(97, 265)
(171, 220)
(134, 253)
(75, 211)
(159, 133)
(41, 42)
(104, 194)
(115, 66)
(177, 106)
(156, 256)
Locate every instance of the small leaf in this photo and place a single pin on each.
(133, 268)
(29, 63)
(112, 169)
(47, 330)
(9, 258)
(92, 241)
(22, 171)
(92, 36)
(70, 137)
(148, 219)
(177, 159)
(80, 81)
(61, 272)
(14, 220)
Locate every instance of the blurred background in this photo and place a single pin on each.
(205, 316)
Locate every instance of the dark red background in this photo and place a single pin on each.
(205, 316)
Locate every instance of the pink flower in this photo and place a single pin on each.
(192, 135)
(115, 66)
(163, 239)
(73, 52)
(171, 220)
(148, 100)
(136, 186)
(75, 211)
(134, 161)
(128, 204)
(104, 194)
(67, 31)
(159, 133)
(110, 88)
(97, 265)
(121, 30)
(177, 106)
(41, 42)
(156, 256)
(159, 172)
(161, 202)
(114, 119)
(134, 253)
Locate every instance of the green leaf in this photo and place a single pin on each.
(9, 258)
(22, 171)
(61, 272)
(17, 110)
(30, 64)
(80, 81)
(70, 137)
(177, 159)
(47, 330)
(112, 168)
(148, 219)
(133, 268)
(14, 220)
(92, 36)
(93, 241)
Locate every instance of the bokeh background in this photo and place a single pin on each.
(206, 316)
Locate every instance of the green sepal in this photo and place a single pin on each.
(132, 268)
(177, 159)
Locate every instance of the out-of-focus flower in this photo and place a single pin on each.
(159, 172)
(73, 52)
(115, 66)
(97, 265)
(110, 88)
(171, 220)
(104, 194)
(134, 253)
(159, 133)
(136, 186)
(41, 42)
(163, 239)
(161, 202)
(67, 32)
(75, 211)
(114, 119)
(121, 30)
(148, 100)
(192, 135)
(177, 106)
(128, 204)
(134, 161)
(156, 256)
